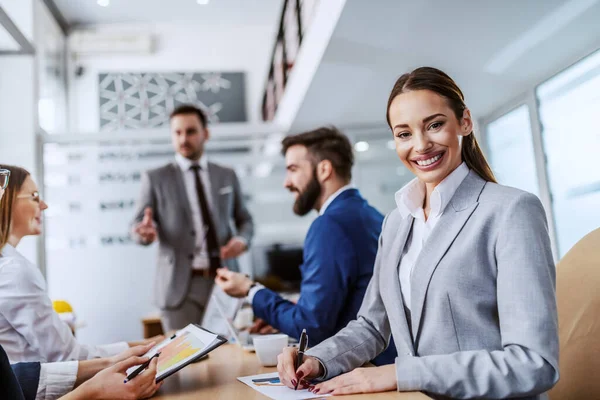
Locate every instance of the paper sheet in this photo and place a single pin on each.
(276, 390)
(220, 306)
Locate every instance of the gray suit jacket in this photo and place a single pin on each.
(484, 321)
(163, 189)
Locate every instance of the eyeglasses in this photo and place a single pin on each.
(35, 196)
(4, 176)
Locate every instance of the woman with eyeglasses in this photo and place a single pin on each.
(94, 379)
(30, 329)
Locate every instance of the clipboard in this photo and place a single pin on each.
(182, 349)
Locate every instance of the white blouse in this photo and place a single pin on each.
(30, 329)
(410, 200)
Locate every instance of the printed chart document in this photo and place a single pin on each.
(270, 386)
(187, 345)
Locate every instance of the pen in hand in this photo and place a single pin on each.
(140, 369)
(301, 350)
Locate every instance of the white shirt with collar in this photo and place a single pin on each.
(331, 198)
(326, 204)
(201, 259)
(410, 201)
(30, 329)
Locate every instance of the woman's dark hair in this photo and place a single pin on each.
(18, 176)
(428, 78)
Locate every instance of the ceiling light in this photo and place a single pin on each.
(361, 146)
(202, 2)
(103, 3)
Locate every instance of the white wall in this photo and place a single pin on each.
(17, 104)
(179, 47)
(50, 44)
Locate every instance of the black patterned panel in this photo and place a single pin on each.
(144, 100)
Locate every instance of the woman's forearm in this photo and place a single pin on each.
(88, 368)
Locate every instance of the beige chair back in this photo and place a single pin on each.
(578, 299)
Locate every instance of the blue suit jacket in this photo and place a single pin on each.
(19, 381)
(339, 254)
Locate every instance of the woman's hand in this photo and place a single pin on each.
(153, 340)
(109, 383)
(137, 351)
(286, 361)
(361, 380)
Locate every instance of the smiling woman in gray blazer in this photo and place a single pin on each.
(464, 276)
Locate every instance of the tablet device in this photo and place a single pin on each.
(183, 348)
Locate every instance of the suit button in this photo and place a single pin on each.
(191, 257)
(193, 233)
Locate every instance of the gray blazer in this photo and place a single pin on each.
(163, 189)
(484, 321)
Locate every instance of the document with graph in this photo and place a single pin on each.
(186, 346)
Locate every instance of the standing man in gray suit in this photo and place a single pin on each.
(196, 211)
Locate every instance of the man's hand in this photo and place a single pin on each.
(260, 326)
(310, 369)
(146, 229)
(233, 283)
(361, 380)
(109, 383)
(233, 248)
(145, 342)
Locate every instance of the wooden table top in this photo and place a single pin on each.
(216, 378)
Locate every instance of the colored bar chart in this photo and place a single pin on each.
(178, 350)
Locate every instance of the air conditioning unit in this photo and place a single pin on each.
(89, 42)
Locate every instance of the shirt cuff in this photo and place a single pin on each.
(113, 349)
(243, 240)
(56, 379)
(253, 291)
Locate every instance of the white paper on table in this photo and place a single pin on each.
(279, 392)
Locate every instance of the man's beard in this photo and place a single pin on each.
(306, 199)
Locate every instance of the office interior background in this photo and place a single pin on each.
(86, 87)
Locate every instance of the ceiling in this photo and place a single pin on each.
(495, 50)
(88, 12)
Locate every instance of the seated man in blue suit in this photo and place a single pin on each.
(339, 249)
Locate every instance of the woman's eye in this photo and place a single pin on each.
(436, 125)
(402, 135)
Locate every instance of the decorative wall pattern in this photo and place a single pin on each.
(144, 100)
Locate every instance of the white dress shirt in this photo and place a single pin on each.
(56, 379)
(326, 204)
(331, 198)
(410, 201)
(30, 329)
(201, 259)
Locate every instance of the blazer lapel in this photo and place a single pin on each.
(177, 176)
(455, 216)
(396, 298)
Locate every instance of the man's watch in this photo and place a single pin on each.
(250, 288)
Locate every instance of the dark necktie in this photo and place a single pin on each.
(214, 252)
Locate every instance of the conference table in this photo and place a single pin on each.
(216, 378)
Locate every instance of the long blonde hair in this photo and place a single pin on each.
(428, 78)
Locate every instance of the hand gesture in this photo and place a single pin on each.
(146, 229)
